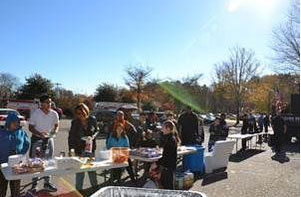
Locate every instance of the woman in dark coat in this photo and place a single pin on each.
(83, 125)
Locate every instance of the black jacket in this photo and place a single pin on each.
(169, 157)
(77, 131)
(278, 126)
(217, 132)
(147, 143)
(245, 126)
(189, 128)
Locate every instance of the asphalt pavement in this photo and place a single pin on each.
(251, 174)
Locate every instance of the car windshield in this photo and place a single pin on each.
(6, 112)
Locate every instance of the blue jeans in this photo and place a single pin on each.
(39, 143)
(79, 179)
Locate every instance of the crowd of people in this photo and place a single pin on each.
(250, 126)
(264, 121)
(125, 131)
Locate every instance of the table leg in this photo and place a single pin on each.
(261, 141)
(250, 143)
(16, 190)
(236, 145)
(30, 184)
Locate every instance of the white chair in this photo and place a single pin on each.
(219, 157)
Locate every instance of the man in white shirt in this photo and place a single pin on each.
(43, 124)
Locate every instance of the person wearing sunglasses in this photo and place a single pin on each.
(83, 126)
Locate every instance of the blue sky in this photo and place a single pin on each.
(81, 44)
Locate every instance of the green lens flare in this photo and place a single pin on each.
(182, 95)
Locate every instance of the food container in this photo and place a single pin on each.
(188, 180)
(104, 155)
(118, 191)
(120, 154)
(15, 159)
(29, 166)
(88, 145)
(179, 181)
(68, 162)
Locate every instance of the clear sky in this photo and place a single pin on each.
(82, 43)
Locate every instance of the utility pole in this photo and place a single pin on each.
(57, 89)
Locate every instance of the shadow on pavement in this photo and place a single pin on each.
(214, 177)
(292, 148)
(241, 156)
(123, 182)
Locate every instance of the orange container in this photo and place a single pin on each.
(120, 154)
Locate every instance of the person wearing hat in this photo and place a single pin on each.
(13, 140)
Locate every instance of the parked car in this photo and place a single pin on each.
(4, 113)
(207, 118)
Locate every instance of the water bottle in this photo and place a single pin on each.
(46, 154)
(72, 153)
(38, 152)
(88, 146)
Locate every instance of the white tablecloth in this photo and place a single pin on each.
(182, 150)
(98, 165)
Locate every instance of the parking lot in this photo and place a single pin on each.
(253, 174)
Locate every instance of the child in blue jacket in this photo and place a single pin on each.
(13, 140)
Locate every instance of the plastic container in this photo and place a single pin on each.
(188, 180)
(88, 145)
(120, 154)
(184, 180)
(138, 192)
(104, 155)
(195, 162)
(15, 159)
(179, 180)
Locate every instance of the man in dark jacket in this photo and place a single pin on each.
(279, 129)
(188, 127)
(224, 125)
(266, 124)
(217, 132)
(252, 124)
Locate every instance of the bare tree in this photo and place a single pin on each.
(135, 80)
(192, 80)
(286, 42)
(235, 73)
(8, 84)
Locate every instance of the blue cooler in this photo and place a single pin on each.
(195, 162)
